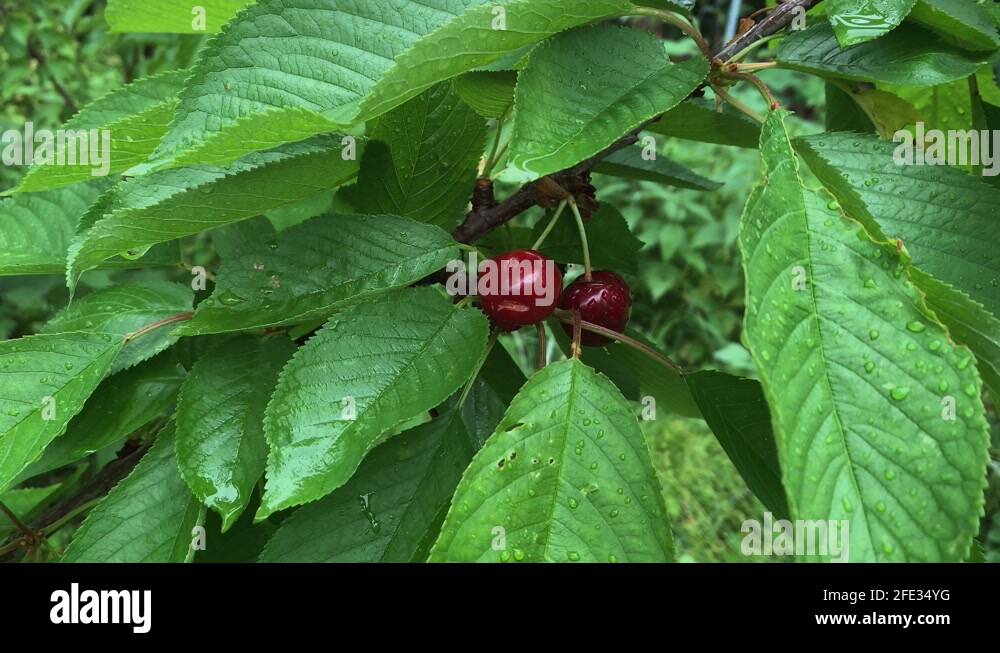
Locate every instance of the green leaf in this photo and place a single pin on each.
(324, 64)
(148, 517)
(424, 160)
(135, 116)
(947, 106)
(37, 229)
(630, 164)
(859, 375)
(490, 94)
(697, 120)
(144, 211)
(171, 16)
(857, 21)
(221, 449)
(680, 6)
(381, 363)
(312, 270)
(967, 21)
(583, 90)
(566, 477)
(125, 309)
(909, 55)
(391, 509)
(46, 379)
(843, 113)
(120, 406)
(737, 413)
(873, 108)
(968, 323)
(618, 248)
(495, 387)
(944, 217)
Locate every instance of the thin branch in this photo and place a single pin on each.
(782, 15)
(28, 533)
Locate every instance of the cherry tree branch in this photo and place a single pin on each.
(486, 216)
(777, 20)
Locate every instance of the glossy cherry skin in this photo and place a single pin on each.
(518, 295)
(605, 300)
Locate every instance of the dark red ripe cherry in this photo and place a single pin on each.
(519, 288)
(605, 300)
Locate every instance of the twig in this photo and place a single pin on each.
(28, 533)
(777, 20)
(43, 64)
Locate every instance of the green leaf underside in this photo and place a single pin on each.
(171, 16)
(144, 211)
(148, 517)
(490, 94)
(221, 448)
(136, 116)
(124, 309)
(571, 103)
(856, 341)
(737, 413)
(314, 269)
(909, 55)
(337, 62)
(696, 119)
(966, 20)
(45, 381)
(618, 248)
(857, 21)
(630, 164)
(423, 161)
(392, 507)
(566, 477)
(945, 218)
(121, 405)
(390, 360)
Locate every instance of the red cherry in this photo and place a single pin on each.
(605, 300)
(519, 288)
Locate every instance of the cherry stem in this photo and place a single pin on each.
(571, 317)
(543, 358)
(479, 367)
(497, 151)
(678, 22)
(765, 92)
(753, 46)
(577, 348)
(550, 226)
(583, 238)
(173, 319)
(722, 93)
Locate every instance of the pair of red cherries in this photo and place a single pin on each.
(604, 300)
